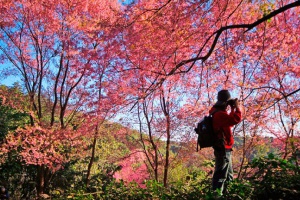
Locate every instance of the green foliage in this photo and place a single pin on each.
(118, 190)
(178, 173)
(275, 178)
(10, 118)
(13, 173)
(194, 188)
(18, 178)
(272, 178)
(239, 189)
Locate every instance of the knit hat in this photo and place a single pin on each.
(223, 97)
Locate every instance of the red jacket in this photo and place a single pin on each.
(224, 121)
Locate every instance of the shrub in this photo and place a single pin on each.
(275, 178)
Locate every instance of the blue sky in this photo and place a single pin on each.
(7, 80)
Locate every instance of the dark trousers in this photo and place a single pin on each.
(223, 169)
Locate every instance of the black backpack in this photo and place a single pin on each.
(206, 135)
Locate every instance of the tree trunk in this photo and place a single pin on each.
(92, 157)
(40, 180)
(166, 167)
(43, 179)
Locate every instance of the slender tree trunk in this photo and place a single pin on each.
(92, 157)
(43, 179)
(243, 128)
(165, 108)
(155, 156)
(152, 156)
(166, 167)
(244, 152)
(40, 180)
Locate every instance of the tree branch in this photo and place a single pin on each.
(218, 33)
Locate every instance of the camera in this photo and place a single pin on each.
(231, 102)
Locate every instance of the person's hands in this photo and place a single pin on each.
(236, 103)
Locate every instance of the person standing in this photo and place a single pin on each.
(222, 124)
